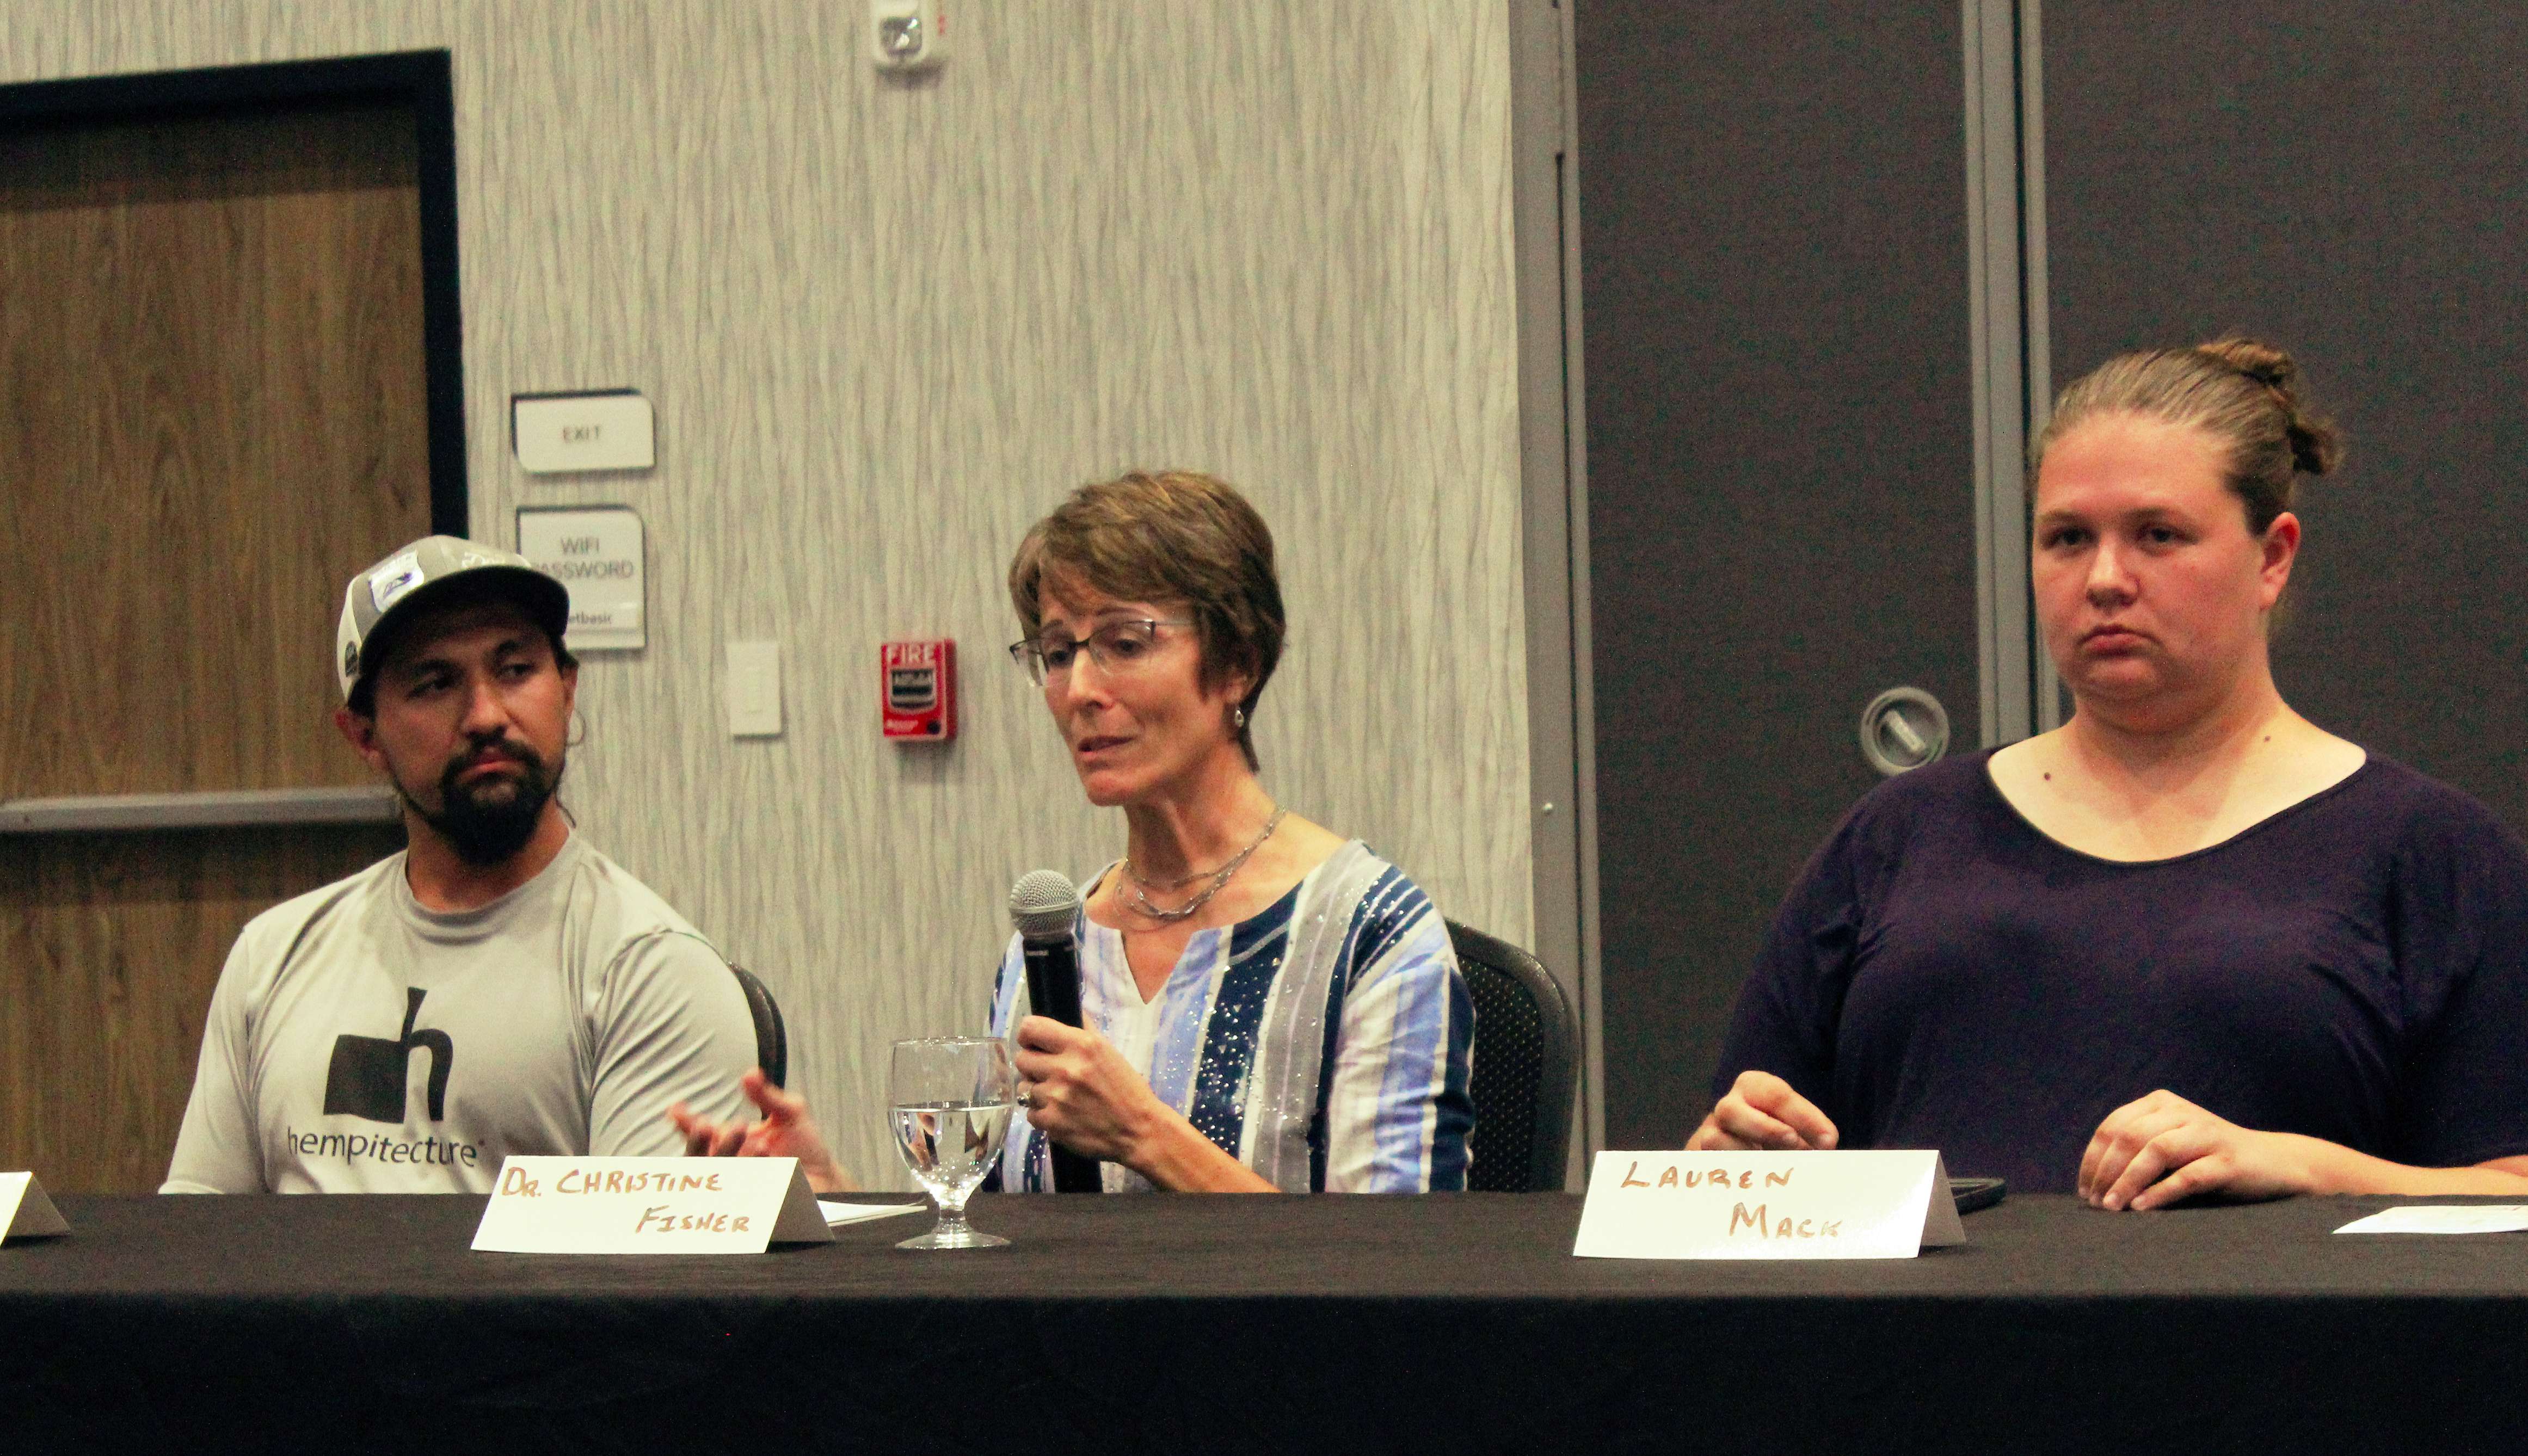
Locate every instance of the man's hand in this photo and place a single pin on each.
(787, 1131)
(1762, 1113)
(2152, 1152)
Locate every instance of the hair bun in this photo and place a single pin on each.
(2257, 360)
(2316, 445)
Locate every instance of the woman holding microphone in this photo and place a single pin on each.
(2189, 943)
(1268, 1005)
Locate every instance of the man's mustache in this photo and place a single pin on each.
(528, 760)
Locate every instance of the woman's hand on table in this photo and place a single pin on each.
(787, 1131)
(2158, 1149)
(1081, 1093)
(1762, 1114)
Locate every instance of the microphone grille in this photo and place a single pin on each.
(1042, 903)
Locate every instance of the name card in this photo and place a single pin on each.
(1767, 1206)
(25, 1211)
(648, 1206)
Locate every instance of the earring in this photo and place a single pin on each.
(1237, 718)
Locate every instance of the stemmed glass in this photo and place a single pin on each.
(953, 1097)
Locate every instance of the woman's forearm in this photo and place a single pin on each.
(1173, 1154)
(2337, 1169)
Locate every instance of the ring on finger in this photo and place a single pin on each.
(1027, 1097)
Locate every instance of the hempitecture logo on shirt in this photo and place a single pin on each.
(367, 1077)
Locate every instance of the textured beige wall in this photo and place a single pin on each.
(885, 326)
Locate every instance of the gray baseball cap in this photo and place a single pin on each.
(391, 593)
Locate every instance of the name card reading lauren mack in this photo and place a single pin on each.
(648, 1206)
(1767, 1206)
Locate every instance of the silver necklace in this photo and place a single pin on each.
(1140, 887)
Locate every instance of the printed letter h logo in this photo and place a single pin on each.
(367, 1077)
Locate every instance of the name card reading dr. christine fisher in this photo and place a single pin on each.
(648, 1206)
(1869, 1204)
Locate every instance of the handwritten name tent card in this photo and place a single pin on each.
(25, 1211)
(1767, 1206)
(648, 1206)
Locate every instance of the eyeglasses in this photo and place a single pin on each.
(1116, 646)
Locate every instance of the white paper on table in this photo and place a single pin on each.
(2466, 1218)
(840, 1214)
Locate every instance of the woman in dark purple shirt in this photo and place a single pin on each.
(2188, 942)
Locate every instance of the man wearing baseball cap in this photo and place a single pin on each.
(497, 988)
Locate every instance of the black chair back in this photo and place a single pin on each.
(772, 1039)
(1526, 1058)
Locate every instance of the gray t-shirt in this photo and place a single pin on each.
(359, 1043)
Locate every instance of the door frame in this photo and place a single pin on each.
(420, 82)
(2005, 175)
(1561, 809)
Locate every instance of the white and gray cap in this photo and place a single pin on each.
(413, 576)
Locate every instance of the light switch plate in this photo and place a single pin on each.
(755, 690)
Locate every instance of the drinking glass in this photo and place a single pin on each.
(953, 1097)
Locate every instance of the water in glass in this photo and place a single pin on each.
(951, 1146)
(953, 1098)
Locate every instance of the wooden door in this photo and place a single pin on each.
(213, 377)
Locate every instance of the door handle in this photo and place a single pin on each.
(1902, 728)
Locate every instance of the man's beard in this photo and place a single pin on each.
(488, 822)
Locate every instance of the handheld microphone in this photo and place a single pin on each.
(1042, 906)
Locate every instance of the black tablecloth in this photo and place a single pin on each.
(1460, 1322)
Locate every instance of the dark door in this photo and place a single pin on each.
(1781, 465)
(2350, 180)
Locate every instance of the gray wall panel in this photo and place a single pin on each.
(2348, 180)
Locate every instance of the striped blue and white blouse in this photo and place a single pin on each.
(1325, 1041)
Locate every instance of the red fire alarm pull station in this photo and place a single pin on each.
(917, 691)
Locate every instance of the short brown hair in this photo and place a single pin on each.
(1166, 536)
(2242, 393)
